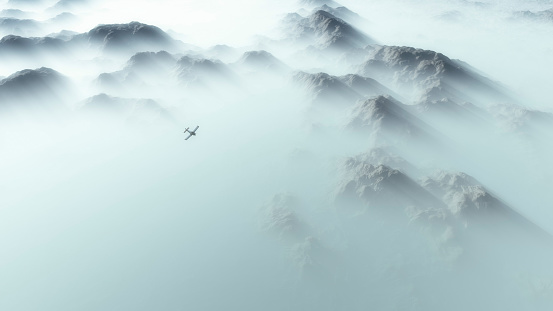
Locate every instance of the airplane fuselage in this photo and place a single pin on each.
(190, 133)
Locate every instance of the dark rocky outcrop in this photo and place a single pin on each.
(126, 38)
(425, 75)
(42, 88)
(379, 186)
(325, 31)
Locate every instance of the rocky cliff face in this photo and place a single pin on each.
(425, 75)
(42, 88)
(325, 31)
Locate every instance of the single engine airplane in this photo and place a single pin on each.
(190, 133)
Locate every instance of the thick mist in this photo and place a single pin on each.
(386, 155)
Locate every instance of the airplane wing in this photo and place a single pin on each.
(188, 137)
(196, 128)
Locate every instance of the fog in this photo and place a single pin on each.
(394, 155)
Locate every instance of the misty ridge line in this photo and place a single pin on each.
(332, 171)
(437, 71)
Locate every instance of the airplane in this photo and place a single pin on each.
(190, 133)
